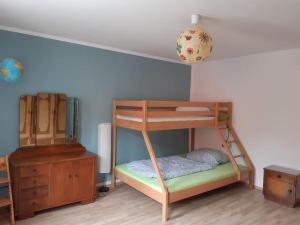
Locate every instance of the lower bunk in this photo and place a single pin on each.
(184, 186)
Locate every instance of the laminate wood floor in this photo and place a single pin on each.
(233, 205)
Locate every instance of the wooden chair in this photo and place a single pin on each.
(4, 168)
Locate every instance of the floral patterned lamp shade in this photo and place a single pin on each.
(194, 44)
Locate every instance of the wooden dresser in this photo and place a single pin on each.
(282, 185)
(48, 176)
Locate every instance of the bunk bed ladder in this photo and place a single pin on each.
(226, 143)
(243, 154)
(226, 148)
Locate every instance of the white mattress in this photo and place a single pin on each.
(165, 119)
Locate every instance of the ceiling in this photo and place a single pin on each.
(151, 27)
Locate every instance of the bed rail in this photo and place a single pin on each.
(142, 111)
(168, 104)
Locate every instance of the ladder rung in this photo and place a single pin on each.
(4, 202)
(4, 180)
(238, 156)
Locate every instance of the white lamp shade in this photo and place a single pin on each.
(104, 147)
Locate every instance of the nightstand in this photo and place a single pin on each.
(282, 185)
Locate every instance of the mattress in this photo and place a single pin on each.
(184, 182)
(165, 119)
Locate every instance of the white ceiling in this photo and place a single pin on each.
(151, 27)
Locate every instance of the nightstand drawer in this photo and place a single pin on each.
(33, 193)
(283, 177)
(36, 181)
(30, 171)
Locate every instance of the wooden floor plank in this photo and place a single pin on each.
(233, 205)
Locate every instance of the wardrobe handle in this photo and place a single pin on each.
(290, 190)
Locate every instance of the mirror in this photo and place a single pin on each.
(48, 119)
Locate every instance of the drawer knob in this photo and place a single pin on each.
(279, 176)
(76, 175)
(34, 192)
(33, 203)
(290, 190)
(34, 182)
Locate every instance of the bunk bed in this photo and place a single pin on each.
(145, 116)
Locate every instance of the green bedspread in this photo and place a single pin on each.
(187, 181)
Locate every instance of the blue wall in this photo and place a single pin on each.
(97, 77)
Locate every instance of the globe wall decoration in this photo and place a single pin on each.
(194, 44)
(11, 70)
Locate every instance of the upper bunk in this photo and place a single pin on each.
(170, 115)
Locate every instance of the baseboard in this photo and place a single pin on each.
(258, 188)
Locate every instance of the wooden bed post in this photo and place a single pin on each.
(191, 139)
(114, 143)
(165, 194)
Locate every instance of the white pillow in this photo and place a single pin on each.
(208, 155)
(192, 109)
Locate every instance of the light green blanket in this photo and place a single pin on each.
(187, 181)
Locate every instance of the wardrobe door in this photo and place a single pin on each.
(60, 119)
(61, 183)
(27, 120)
(45, 119)
(84, 179)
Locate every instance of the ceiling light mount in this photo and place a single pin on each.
(195, 19)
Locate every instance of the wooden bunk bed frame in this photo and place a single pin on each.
(157, 109)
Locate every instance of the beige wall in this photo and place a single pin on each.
(265, 91)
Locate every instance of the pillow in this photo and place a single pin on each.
(207, 155)
(223, 116)
(192, 108)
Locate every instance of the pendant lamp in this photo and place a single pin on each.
(194, 45)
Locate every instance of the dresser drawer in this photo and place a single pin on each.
(34, 204)
(30, 171)
(283, 177)
(34, 193)
(36, 181)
